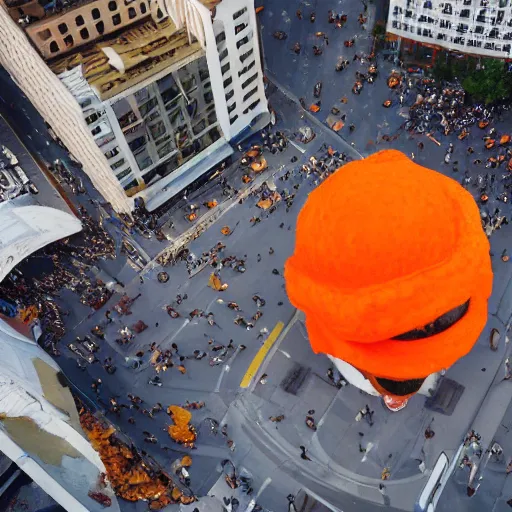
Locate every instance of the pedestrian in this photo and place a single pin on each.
(310, 422)
(303, 455)
(155, 381)
(107, 316)
(429, 433)
(96, 385)
(141, 279)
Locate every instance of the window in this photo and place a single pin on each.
(63, 28)
(116, 19)
(239, 13)
(223, 54)
(45, 34)
(68, 41)
(230, 94)
(117, 164)
(231, 107)
(242, 41)
(427, 5)
(96, 15)
(240, 27)
(252, 106)
(224, 69)
(79, 20)
(503, 3)
(447, 9)
(227, 82)
(132, 13)
(220, 37)
(143, 8)
(246, 55)
(465, 13)
(248, 67)
(124, 173)
(157, 130)
(112, 153)
(54, 47)
(84, 33)
(100, 27)
(249, 80)
(479, 29)
(462, 28)
(233, 119)
(250, 93)
(467, 2)
(494, 33)
(112, 6)
(501, 15)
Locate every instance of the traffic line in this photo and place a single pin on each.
(260, 356)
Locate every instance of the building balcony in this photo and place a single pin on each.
(59, 33)
(132, 58)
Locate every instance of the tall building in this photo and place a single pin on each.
(478, 27)
(146, 94)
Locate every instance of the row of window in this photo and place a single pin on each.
(96, 28)
(426, 32)
(447, 6)
(462, 28)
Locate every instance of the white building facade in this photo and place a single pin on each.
(477, 27)
(147, 110)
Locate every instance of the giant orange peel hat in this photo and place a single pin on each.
(385, 246)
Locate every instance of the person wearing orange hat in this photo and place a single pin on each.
(392, 269)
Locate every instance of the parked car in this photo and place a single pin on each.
(80, 353)
(90, 345)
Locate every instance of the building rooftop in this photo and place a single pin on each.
(115, 65)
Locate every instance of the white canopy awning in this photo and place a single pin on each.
(25, 229)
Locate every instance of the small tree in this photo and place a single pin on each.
(379, 30)
(490, 83)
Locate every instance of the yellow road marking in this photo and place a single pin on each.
(262, 352)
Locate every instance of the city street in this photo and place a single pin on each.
(240, 378)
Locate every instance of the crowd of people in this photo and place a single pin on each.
(36, 285)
